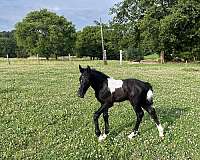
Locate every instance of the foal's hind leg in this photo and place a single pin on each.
(152, 112)
(105, 117)
(139, 113)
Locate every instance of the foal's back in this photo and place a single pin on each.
(136, 90)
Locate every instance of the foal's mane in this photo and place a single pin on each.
(99, 74)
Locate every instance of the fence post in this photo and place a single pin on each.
(8, 59)
(120, 57)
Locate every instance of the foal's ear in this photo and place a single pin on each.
(81, 69)
(88, 69)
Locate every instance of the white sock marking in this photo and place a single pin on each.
(149, 95)
(102, 137)
(133, 134)
(114, 84)
(160, 129)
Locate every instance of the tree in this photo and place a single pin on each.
(112, 40)
(7, 44)
(180, 29)
(45, 33)
(171, 26)
(89, 42)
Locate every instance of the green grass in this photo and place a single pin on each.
(152, 57)
(42, 118)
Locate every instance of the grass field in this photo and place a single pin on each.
(42, 118)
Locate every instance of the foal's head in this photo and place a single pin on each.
(84, 80)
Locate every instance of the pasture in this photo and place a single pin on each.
(41, 116)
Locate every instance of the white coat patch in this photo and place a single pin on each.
(133, 134)
(102, 137)
(160, 130)
(149, 95)
(114, 84)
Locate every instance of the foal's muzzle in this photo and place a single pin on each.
(80, 93)
(81, 96)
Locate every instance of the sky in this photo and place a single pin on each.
(80, 12)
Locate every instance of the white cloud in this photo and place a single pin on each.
(54, 9)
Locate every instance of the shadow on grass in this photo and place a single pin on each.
(167, 116)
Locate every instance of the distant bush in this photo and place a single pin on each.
(135, 54)
(113, 56)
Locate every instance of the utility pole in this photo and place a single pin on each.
(102, 43)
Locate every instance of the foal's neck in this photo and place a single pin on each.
(97, 80)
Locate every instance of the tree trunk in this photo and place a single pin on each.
(162, 57)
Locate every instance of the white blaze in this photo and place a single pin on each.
(149, 95)
(114, 84)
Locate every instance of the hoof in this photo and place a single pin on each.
(161, 137)
(133, 134)
(102, 137)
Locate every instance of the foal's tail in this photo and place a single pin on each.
(149, 93)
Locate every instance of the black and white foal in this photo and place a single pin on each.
(108, 90)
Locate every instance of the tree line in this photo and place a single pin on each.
(168, 26)
(138, 27)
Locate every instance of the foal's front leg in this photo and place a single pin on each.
(105, 117)
(103, 109)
